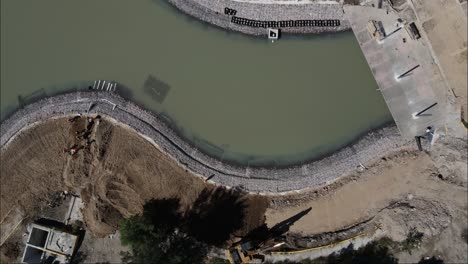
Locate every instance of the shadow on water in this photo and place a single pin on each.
(125, 92)
(33, 97)
(23, 100)
(121, 90)
(156, 88)
(42, 93)
(7, 111)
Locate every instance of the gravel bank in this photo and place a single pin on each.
(213, 13)
(263, 180)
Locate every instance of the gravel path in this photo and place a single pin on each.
(262, 180)
(213, 12)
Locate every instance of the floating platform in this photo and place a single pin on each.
(273, 33)
(108, 86)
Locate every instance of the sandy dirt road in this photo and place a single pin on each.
(407, 190)
(393, 180)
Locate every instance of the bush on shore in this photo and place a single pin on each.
(154, 237)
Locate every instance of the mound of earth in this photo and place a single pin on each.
(115, 174)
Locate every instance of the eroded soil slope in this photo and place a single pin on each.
(115, 175)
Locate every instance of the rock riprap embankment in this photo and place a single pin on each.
(214, 12)
(312, 174)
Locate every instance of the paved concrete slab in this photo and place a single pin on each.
(392, 57)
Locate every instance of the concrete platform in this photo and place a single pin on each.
(394, 55)
(445, 25)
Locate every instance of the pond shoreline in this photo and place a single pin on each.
(313, 174)
(213, 12)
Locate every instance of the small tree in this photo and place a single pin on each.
(158, 242)
(135, 230)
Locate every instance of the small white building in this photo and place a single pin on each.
(273, 33)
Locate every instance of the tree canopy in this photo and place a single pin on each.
(153, 237)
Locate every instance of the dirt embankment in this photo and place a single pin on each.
(409, 189)
(120, 171)
(115, 175)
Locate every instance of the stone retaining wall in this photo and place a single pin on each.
(263, 180)
(213, 12)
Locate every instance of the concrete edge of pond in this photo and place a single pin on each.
(313, 174)
(213, 12)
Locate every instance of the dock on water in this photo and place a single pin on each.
(403, 66)
(103, 85)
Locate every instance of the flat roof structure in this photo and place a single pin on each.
(404, 69)
(49, 245)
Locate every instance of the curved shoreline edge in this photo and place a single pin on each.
(314, 174)
(212, 12)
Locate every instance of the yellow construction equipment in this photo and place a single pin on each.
(252, 249)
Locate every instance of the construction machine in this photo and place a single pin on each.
(253, 249)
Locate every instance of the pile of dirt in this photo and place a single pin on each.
(450, 156)
(114, 170)
(429, 217)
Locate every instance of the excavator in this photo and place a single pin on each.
(247, 252)
(253, 250)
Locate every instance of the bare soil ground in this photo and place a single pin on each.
(100, 250)
(115, 176)
(120, 171)
(12, 250)
(408, 189)
(445, 24)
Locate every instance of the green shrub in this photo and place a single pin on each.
(412, 241)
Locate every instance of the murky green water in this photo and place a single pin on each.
(241, 98)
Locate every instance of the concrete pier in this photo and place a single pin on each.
(404, 69)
